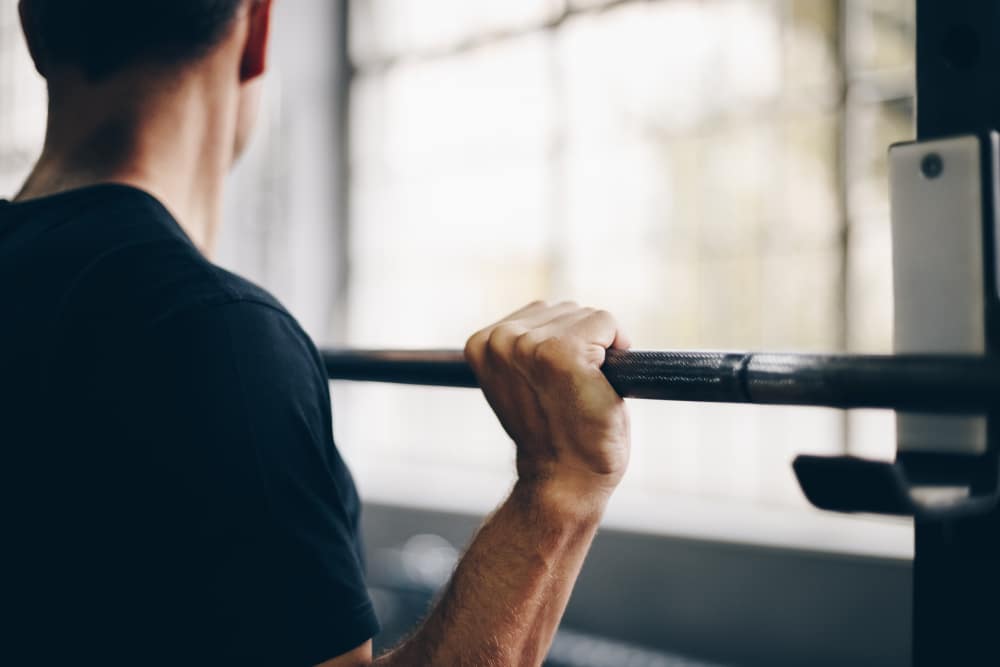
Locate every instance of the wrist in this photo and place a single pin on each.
(564, 498)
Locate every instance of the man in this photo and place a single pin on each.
(172, 494)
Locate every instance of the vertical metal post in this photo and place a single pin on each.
(956, 570)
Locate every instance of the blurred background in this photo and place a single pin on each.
(713, 171)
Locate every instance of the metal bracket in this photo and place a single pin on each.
(849, 484)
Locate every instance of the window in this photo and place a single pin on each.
(711, 171)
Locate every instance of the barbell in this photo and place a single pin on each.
(945, 384)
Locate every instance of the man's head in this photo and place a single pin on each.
(91, 43)
(101, 37)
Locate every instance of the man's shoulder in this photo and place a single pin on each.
(164, 301)
(144, 270)
(146, 284)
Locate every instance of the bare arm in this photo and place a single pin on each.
(505, 600)
(540, 369)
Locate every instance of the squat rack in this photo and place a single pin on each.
(956, 567)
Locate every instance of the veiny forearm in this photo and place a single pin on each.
(509, 592)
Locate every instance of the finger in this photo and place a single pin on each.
(535, 315)
(541, 318)
(528, 314)
(501, 341)
(601, 328)
(526, 347)
(525, 312)
(622, 340)
(561, 323)
(475, 347)
(594, 327)
(580, 327)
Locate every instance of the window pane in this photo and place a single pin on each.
(712, 171)
(390, 29)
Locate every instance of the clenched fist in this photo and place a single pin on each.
(540, 369)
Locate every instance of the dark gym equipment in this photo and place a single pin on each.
(934, 384)
(956, 569)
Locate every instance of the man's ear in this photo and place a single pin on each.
(254, 62)
(28, 25)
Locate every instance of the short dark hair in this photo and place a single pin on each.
(101, 37)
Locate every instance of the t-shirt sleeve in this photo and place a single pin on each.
(246, 434)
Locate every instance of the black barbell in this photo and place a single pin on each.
(907, 383)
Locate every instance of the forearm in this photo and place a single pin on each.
(505, 600)
(540, 371)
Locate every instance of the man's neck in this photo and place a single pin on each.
(171, 139)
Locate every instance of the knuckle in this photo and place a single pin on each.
(492, 342)
(504, 332)
(474, 347)
(524, 345)
(603, 318)
(499, 339)
(549, 353)
(475, 350)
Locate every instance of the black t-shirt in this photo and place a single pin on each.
(171, 492)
